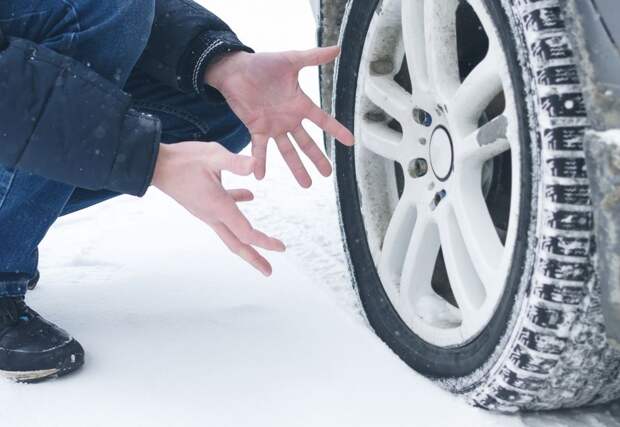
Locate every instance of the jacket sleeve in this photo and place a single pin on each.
(184, 39)
(61, 120)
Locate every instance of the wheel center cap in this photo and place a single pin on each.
(441, 153)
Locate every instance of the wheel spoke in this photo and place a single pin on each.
(441, 48)
(466, 286)
(413, 40)
(386, 94)
(419, 263)
(395, 245)
(484, 143)
(478, 232)
(476, 92)
(381, 140)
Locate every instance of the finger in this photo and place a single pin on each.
(259, 152)
(223, 159)
(293, 161)
(314, 153)
(330, 125)
(229, 214)
(316, 56)
(241, 227)
(246, 252)
(241, 195)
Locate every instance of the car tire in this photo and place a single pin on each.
(544, 347)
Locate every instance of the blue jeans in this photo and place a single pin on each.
(109, 36)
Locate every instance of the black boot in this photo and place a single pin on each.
(31, 348)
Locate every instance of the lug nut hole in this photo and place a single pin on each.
(418, 168)
(422, 117)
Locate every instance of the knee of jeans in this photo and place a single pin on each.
(131, 23)
(117, 30)
(136, 21)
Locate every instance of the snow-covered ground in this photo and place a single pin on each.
(180, 333)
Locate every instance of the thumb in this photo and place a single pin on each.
(317, 56)
(235, 163)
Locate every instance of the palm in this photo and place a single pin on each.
(267, 97)
(271, 105)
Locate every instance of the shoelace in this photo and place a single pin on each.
(12, 309)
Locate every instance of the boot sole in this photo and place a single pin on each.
(72, 363)
(29, 376)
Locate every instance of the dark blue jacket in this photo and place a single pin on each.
(43, 95)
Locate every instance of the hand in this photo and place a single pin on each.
(190, 173)
(263, 90)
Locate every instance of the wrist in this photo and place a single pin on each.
(161, 165)
(224, 66)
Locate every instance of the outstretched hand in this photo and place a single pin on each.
(263, 90)
(190, 173)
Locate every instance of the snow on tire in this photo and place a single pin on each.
(539, 342)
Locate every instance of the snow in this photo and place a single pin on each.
(180, 333)
(612, 137)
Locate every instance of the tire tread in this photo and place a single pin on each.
(563, 335)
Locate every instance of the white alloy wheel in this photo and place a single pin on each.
(428, 139)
